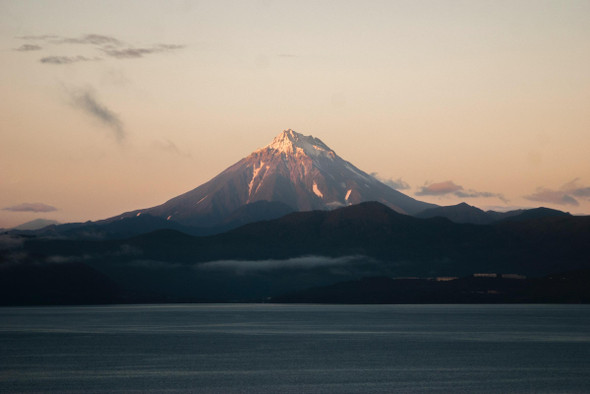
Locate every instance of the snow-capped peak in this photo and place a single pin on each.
(291, 142)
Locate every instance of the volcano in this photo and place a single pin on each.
(295, 172)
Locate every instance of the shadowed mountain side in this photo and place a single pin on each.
(534, 213)
(369, 229)
(464, 213)
(126, 227)
(35, 224)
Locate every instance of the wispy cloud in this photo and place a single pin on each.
(397, 184)
(30, 207)
(573, 187)
(66, 59)
(129, 53)
(92, 39)
(475, 194)
(28, 48)
(565, 195)
(86, 101)
(450, 188)
(39, 38)
(107, 45)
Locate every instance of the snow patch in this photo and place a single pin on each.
(254, 175)
(291, 142)
(348, 194)
(317, 191)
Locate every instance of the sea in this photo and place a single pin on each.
(268, 348)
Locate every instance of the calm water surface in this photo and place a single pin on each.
(239, 348)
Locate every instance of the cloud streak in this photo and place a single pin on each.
(130, 53)
(92, 39)
(107, 45)
(28, 48)
(30, 207)
(66, 59)
(450, 188)
(38, 38)
(86, 101)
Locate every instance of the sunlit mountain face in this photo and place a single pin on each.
(295, 170)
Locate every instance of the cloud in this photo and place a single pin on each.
(85, 100)
(450, 188)
(93, 39)
(475, 194)
(108, 45)
(66, 59)
(565, 195)
(129, 53)
(303, 262)
(558, 197)
(30, 207)
(573, 187)
(438, 189)
(38, 38)
(397, 184)
(28, 47)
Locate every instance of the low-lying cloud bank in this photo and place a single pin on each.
(303, 262)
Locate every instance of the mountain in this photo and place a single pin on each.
(535, 213)
(296, 170)
(464, 213)
(461, 213)
(35, 224)
(317, 248)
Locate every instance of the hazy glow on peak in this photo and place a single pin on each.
(110, 106)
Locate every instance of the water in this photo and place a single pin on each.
(239, 348)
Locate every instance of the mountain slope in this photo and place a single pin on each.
(460, 213)
(464, 213)
(299, 171)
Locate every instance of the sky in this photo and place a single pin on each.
(111, 106)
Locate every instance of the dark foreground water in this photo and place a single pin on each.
(296, 348)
